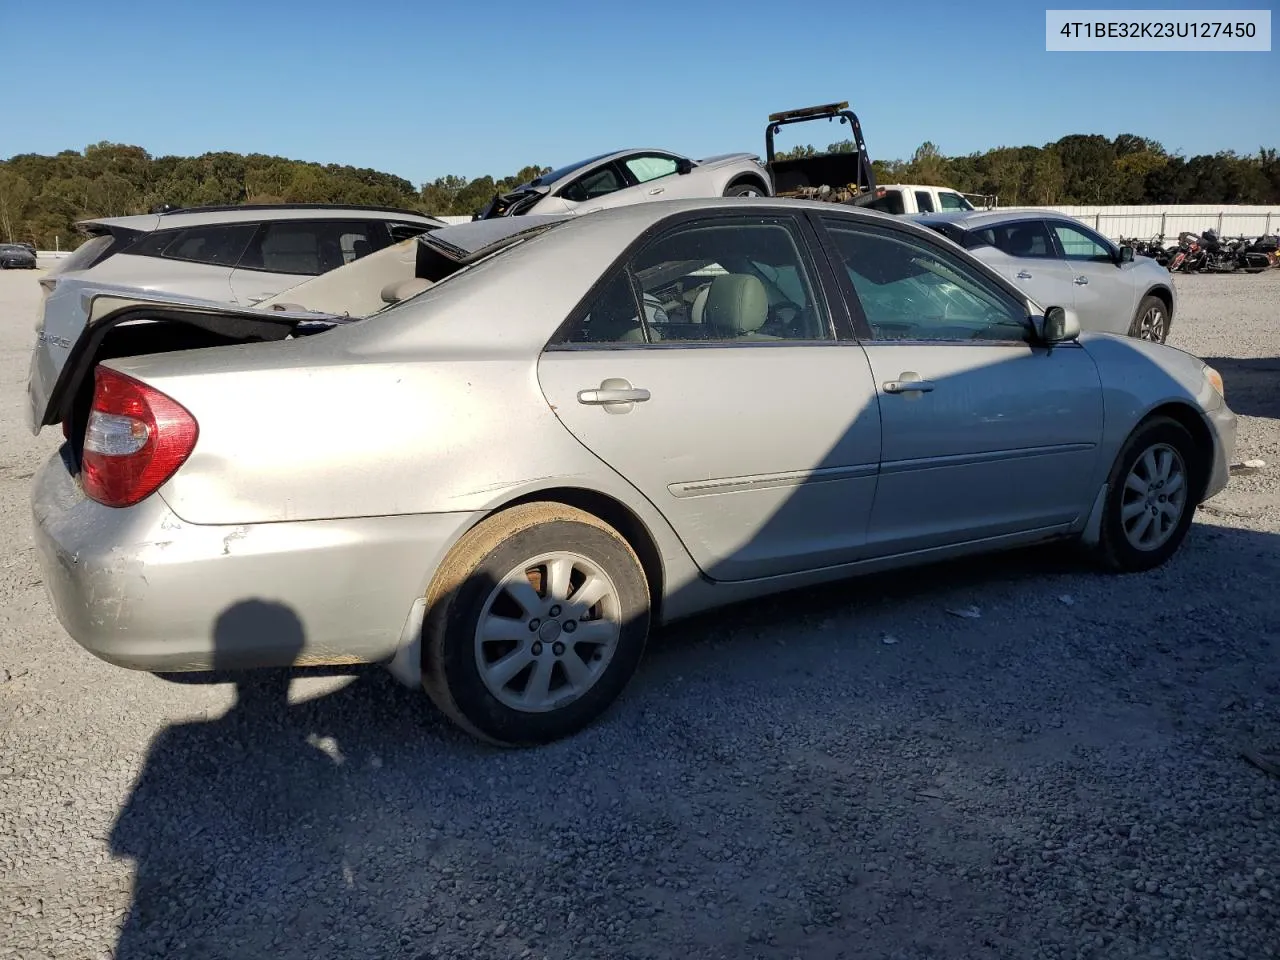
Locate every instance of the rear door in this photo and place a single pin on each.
(751, 424)
(1105, 293)
(283, 253)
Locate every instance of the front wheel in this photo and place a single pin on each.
(1151, 321)
(744, 190)
(535, 623)
(1150, 497)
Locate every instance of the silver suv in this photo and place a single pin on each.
(237, 254)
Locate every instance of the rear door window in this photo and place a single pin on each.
(924, 202)
(1022, 238)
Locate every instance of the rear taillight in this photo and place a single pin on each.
(135, 439)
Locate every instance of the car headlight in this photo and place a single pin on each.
(1215, 380)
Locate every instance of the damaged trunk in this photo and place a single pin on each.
(111, 325)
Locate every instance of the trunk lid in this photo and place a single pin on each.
(78, 314)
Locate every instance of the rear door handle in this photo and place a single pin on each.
(656, 190)
(1023, 275)
(908, 386)
(1080, 281)
(614, 390)
(613, 395)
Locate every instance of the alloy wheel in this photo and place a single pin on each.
(1155, 496)
(547, 632)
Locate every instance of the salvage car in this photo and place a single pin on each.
(558, 433)
(234, 254)
(632, 176)
(1057, 259)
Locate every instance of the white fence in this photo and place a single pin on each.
(1145, 222)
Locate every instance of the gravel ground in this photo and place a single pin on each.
(852, 771)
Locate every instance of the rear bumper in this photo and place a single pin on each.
(142, 589)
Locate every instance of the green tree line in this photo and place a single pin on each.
(41, 197)
(1087, 169)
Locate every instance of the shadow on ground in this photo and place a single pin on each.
(1252, 384)
(362, 823)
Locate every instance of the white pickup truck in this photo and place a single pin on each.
(907, 198)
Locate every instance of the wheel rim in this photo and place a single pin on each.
(1151, 327)
(1155, 497)
(547, 632)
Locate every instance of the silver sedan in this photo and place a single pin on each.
(497, 484)
(633, 176)
(1054, 258)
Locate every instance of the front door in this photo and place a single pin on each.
(748, 423)
(1105, 295)
(985, 433)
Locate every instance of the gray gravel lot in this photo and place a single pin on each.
(1059, 777)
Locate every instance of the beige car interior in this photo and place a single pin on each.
(734, 306)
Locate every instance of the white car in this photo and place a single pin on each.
(633, 176)
(1056, 259)
(233, 254)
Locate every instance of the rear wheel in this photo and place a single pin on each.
(535, 623)
(1150, 497)
(1151, 321)
(744, 190)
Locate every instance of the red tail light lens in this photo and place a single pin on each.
(135, 440)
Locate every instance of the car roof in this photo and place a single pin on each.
(580, 166)
(976, 219)
(240, 213)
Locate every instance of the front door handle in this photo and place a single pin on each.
(656, 190)
(908, 386)
(1080, 281)
(1023, 275)
(615, 394)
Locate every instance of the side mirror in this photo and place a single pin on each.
(1058, 325)
(684, 165)
(1126, 254)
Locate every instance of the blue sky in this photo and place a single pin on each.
(422, 89)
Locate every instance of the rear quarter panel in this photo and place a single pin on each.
(329, 437)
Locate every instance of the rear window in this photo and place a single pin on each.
(84, 256)
(889, 203)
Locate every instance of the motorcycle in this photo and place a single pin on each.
(1267, 248)
(1187, 255)
(1219, 256)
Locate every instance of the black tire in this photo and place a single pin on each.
(1114, 550)
(744, 190)
(1151, 320)
(464, 585)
